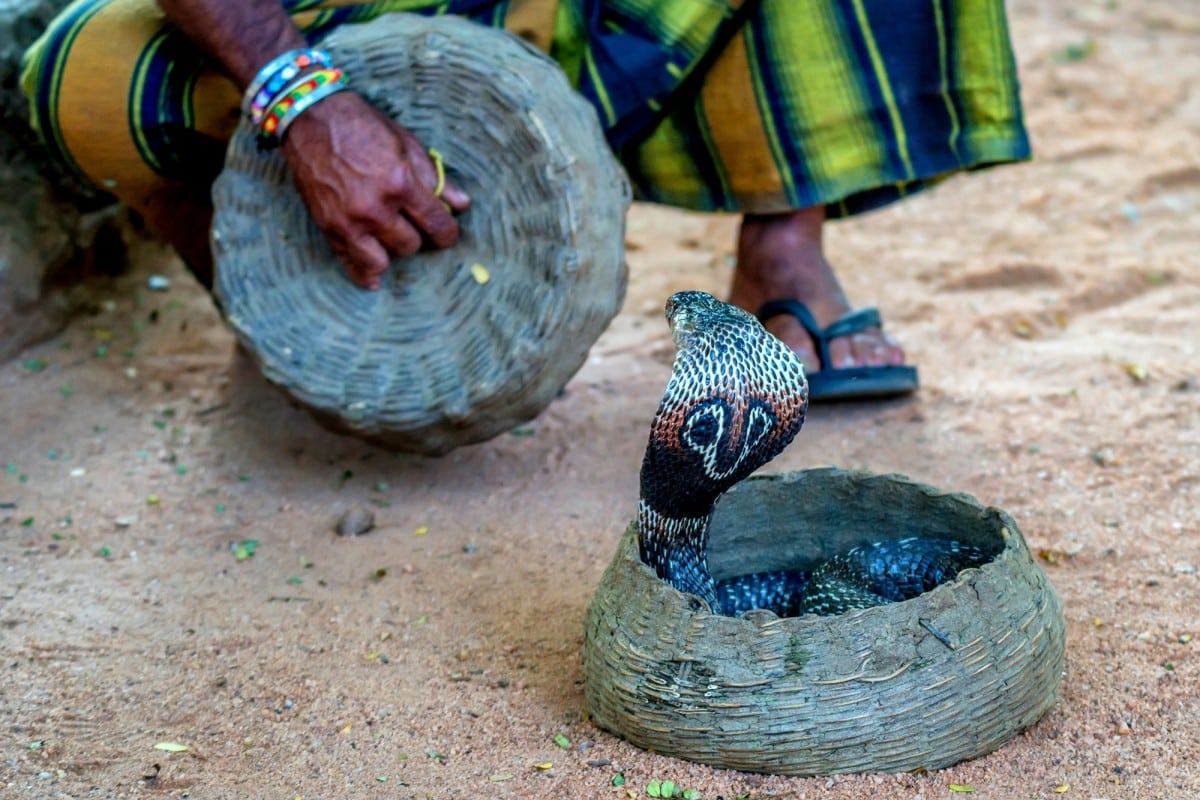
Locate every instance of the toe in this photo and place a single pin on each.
(869, 348)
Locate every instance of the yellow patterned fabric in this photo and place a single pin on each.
(848, 104)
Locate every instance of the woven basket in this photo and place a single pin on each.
(946, 676)
(436, 359)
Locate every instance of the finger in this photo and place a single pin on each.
(397, 235)
(459, 200)
(431, 171)
(432, 217)
(365, 260)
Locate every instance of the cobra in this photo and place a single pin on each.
(737, 396)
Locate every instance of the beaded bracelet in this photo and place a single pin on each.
(294, 100)
(271, 79)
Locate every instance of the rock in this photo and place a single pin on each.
(53, 227)
(356, 522)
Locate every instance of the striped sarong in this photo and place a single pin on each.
(849, 104)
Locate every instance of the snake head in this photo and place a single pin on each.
(736, 398)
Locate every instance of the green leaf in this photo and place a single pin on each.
(245, 549)
(1076, 52)
(654, 788)
(958, 787)
(691, 794)
(172, 747)
(562, 741)
(668, 788)
(618, 779)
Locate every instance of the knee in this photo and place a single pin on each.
(33, 75)
(39, 64)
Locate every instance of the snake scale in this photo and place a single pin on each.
(737, 396)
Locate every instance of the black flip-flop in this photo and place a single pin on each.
(848, 383)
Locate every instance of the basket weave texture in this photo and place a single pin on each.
(947, 676)
(461, 344)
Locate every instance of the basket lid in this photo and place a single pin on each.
(461, 344)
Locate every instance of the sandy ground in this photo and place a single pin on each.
(1052, 308)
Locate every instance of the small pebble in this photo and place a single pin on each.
(356, 522)
(158, 283)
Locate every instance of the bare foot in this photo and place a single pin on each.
(780, 257)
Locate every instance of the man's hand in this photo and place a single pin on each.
(369, 185)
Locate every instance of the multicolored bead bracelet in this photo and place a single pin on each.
(294, 99)
(270, 81)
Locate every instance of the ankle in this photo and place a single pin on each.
(798, 229)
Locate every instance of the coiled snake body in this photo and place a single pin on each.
(736, 398)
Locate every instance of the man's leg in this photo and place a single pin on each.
(822, 110)
(781, 256)
(124, 98)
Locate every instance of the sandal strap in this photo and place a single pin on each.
(854, 321)
(799, 312)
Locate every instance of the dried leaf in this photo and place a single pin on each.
(421, 531)
(1062, 788)
(1022, 328)
(499, 777)
(480, 274)
(1136, 371)
(1048, 555)
(545, 765)
(172, 747)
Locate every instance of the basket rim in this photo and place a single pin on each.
(1015, 552)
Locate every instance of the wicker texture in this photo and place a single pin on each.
(874, 690)
(436, 359)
